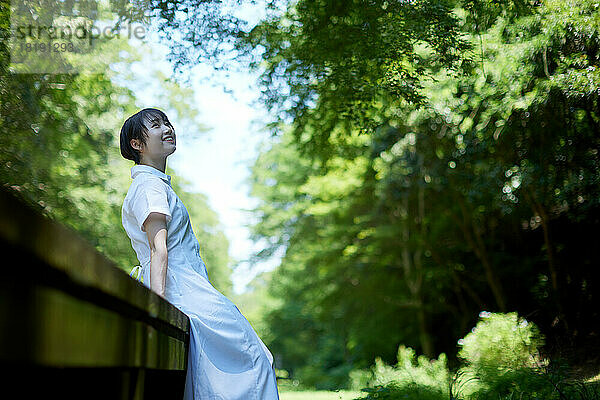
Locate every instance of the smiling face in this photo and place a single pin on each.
(160, 140)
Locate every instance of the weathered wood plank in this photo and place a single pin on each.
(61, 249)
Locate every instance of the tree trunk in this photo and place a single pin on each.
(413, 271)
(475, 241)
(539, 210)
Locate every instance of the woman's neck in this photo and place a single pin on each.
(160, 165)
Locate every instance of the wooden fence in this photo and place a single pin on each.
(75, 326)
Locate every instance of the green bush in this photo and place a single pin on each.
(360, 378)
(401, 391)
(500, 362)
(501, 357)
(501, 343)
(411, 378)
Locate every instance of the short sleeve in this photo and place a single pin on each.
(150, 196)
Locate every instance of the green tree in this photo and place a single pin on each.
(484, 196)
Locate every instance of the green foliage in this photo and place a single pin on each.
(501, 356)
(484, 196)
(322, 63)
(411, 378)
(395, 391)
(501, 343)
(501, 361)
(344, 57)
(412, 371)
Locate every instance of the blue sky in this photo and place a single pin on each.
(218, 163)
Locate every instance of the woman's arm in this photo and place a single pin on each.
(156, 228)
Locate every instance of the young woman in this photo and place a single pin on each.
(227, 360)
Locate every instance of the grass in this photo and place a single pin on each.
(319, 395)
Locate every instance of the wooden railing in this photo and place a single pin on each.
(75, 326)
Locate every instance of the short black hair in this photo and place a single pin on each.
(134, 128)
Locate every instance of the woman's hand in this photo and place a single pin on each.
(156, 229)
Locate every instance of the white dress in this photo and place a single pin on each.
(227, 360)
